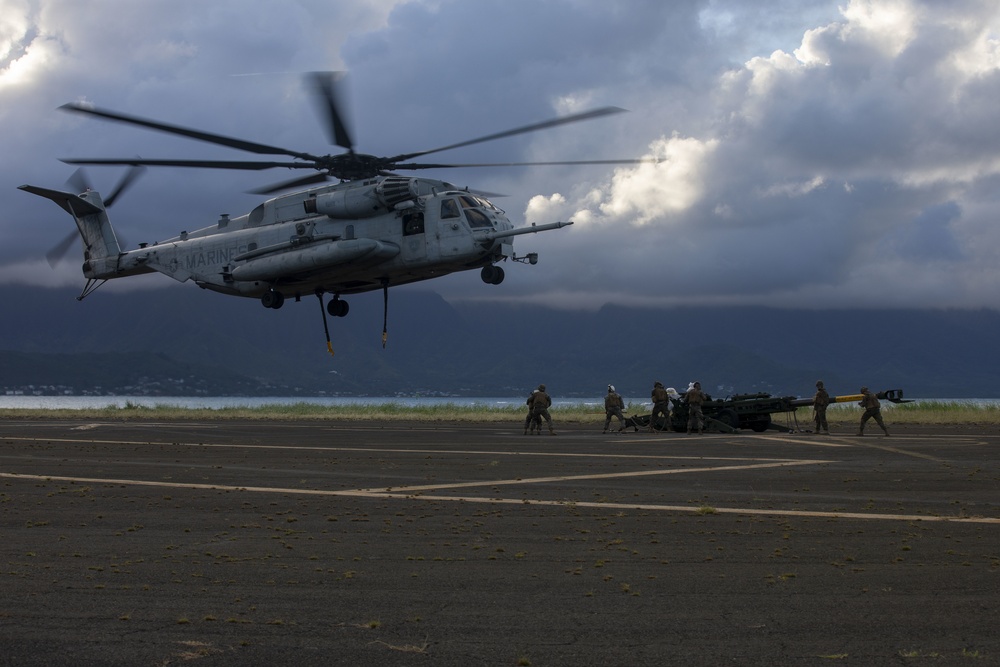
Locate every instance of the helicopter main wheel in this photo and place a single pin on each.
(338, 308)
(272, 299)
(492, 275)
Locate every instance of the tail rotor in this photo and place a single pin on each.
(79, 182)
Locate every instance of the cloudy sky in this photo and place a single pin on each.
(810, 153)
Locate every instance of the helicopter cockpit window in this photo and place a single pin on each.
(477, 219)
(476, 202)
(449, 209)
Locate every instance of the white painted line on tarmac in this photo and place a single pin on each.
(870, 443)
(397, 450)
(365, 493)
(904, 452)
(816, 441)
(702, 510)
(574, 478)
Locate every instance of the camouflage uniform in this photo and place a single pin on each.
(540, 403)
(613, 405)
(820, 401)
(661, 405)
(873, 410)
(532, 420)
(695, 397)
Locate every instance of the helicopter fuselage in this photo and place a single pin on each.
(342, 239)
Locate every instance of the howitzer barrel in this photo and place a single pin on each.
(891, 395)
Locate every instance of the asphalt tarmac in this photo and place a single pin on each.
(406, 543)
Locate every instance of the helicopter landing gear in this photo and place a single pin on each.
(338, 308)
(335, 308)
(492, 275)
(272, 299)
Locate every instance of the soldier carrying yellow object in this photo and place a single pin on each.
(873, 410)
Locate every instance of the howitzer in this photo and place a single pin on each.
(748, 411)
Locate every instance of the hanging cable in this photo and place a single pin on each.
(326, 327)
(385, 312)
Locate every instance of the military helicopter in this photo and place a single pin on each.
(371, 230)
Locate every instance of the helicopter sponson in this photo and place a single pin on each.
(314, 257)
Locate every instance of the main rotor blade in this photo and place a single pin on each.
(127, 180)
(414, 165)
(206, 164)
(327, 93)
(298, 182)
(239, 144)
(555, 122)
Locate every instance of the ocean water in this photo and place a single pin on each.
(217, 402)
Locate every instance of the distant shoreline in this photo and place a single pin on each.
(925, 412)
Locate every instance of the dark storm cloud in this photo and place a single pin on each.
(810, 154)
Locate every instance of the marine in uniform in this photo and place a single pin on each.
(661, 405)
(540, 403)
(695, 398)
(820, 401)
(532, 420)
(613, 405)
(873, 410)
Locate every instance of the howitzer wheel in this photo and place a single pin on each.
(761, 423)
(728, 417)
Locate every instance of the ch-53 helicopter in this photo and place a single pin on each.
(371, 230)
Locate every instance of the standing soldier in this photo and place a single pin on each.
(820, 401)
(661, 405)
(873, 410)
(540, 403)
(532, 420)
(695, 398)
(613, 405)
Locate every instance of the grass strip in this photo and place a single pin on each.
(924, 412)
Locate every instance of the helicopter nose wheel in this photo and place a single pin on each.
(338, 308)
(272, 299)
(492, 275)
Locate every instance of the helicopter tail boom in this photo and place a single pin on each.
(101, 245)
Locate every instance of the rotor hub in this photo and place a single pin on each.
(352, 166)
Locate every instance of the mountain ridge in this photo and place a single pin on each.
(480, 349)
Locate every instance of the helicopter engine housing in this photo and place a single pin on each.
(368, 200)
